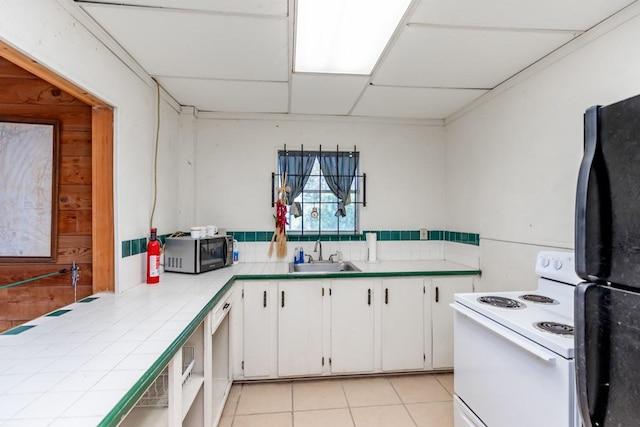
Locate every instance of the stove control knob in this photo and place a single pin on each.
(544, 262)
(557, 264)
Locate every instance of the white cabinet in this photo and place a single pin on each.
(300, 319)
(313, 327)
(258, 328)
(442, 316)
(352, 326)
(402, 324)
(282, 327)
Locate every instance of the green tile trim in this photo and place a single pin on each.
(381, 235)
(143, 245)
(18, 330)
(57, 313)
(126, 248)
(135, 247)
(89, 299)
(461, 237)
(139, 246)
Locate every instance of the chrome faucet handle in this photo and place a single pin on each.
(331, 257)
(310, 257)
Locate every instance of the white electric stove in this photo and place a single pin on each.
(514, 352)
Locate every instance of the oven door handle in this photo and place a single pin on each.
(512, 337)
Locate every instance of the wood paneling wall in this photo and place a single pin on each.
(24, 95)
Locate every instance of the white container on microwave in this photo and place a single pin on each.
(189, 255)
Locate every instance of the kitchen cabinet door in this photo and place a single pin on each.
(258, 324)
(300, 327)
(402, 324)
(442, 317)
(352, 326)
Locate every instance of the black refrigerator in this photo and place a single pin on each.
(607, 244)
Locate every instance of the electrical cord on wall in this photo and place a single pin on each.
(155, 156)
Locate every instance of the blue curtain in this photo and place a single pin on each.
(339, 170)
(297, 165)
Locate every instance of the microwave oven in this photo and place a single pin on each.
(188, 255)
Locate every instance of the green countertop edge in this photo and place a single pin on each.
(122, 408)
(355, 274)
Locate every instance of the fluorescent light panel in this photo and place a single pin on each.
(344, 36)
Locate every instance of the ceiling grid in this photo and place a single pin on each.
(226, 56)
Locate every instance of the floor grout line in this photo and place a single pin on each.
(346, 399)
(388, 378)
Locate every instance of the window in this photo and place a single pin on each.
(325, 191)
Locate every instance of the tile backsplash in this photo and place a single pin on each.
(382, 236)
(395, 241)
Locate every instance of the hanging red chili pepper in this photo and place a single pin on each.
(280, 235)
(281, 215)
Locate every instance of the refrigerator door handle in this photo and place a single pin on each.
(590, 412)
(586, 173)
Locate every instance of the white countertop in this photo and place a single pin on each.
(72, 369)
(380, 267)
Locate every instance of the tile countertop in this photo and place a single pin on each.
(76, 365)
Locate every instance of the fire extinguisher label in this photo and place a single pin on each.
(154, 263)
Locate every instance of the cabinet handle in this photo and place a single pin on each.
(368, 296)
(225, 306)
(283, 298)
(437, 294)
(386, 295)
(264, 299)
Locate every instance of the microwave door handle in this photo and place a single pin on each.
(225, 248)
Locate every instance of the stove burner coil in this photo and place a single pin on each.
(539, 299)
(501, 302)
(555, 328)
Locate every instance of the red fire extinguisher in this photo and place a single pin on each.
(153, 258)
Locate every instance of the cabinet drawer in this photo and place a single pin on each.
(220, 310)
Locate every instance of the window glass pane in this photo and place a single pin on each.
(317, 196)
(348, 222)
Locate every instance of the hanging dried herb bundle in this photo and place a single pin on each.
(280, 217)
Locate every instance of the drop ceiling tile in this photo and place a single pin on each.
(260, 7)
(418, 103)
(325, 93)
(228, 95)
(463, 58)
(187, 44)
(542, 14)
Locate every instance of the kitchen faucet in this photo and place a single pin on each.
(315, 249)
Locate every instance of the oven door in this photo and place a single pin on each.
(463, 416)
(508, 380)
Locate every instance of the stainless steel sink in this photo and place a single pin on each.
(322, 267)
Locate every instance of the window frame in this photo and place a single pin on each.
(321, 189)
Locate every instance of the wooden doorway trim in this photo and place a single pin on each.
(102, 213)
(102, 217)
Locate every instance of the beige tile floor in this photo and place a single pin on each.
(422, 400)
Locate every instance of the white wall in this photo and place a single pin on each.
(512, 162)
(404, 164)
(47, 32)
